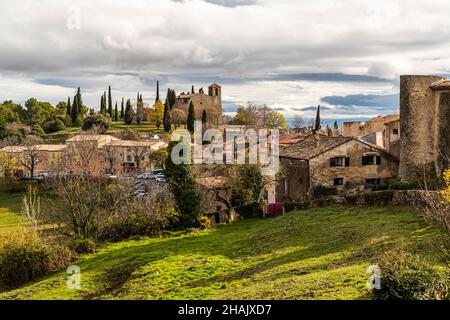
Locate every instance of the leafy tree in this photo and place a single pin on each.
(182, 182)
(178, 117)
(129, 114)
(245, 183)
(276, 119)
(156, 115)
(159, 157)
(167, 121)
(54, 126)
(191, 118)
(97, 121)
(247, 115)
(110, 105)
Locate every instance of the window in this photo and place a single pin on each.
(371, 160)
(338, 181)
(395, 132)
(373, 181)
(340, 162)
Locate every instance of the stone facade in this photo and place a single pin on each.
(340, 163)
(354, 172)
(211, 102)
(92, 154)
(425, 117)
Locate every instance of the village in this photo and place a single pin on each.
(314, 161)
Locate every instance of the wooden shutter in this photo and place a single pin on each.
(347, 161)
(378, 160)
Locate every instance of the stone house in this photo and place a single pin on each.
(47, 157)
(93, 154)
(383, 131)
(340, 163)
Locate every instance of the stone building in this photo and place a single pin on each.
(424, 125)
(211, 102)
(341, 163)
(92, 154)
(383, 131)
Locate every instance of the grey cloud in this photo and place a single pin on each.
(390, 101)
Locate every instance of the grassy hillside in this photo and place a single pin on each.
(312, 254)
(10, 206)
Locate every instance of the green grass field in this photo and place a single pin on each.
(312, 254)
(10, 206)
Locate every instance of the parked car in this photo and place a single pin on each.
(145, 175)
(161, 179)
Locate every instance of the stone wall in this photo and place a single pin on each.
(425, 126)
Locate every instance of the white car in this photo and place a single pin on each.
(161, 179)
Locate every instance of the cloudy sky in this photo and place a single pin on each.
(292, 55)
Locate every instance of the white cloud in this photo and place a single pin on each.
(240, 39)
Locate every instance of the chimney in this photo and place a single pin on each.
(317, 137)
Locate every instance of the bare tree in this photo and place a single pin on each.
(139, 153)
(32, 155)
(178, 117)
(111, 156)
(298, 121)
(82, 157)
(31, 206)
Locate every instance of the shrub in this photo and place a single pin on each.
(378, 198)
(205, 222)
(275, 210)
(320, 191)
(38, 131)
(97, 121)
(397, 184)
(24, 257)
(81, 246)
(407, 277)
(54, 126)
(145, 217)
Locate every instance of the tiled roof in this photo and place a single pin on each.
(51, 147)
(312, 146)
(132, 143)
(92, 137)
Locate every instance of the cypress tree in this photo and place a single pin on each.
(122, 109)
(110, 106)
(317, 125)
(116, 113)
(157, 91)
(128, 113)
(74, 111)
(172, 98)
(102, 111)
(69, 107)
(191, 118)
(167, 122)
(192, 90)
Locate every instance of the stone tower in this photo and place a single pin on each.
(424, 124)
